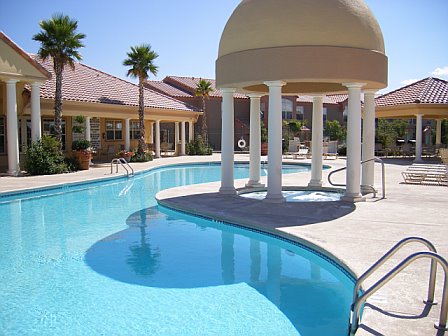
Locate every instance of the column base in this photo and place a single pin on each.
(13, 172)
(276, 198)
(367, 189)
(254, 184)
(353, 198)
(227, 191)
(315, 183)
(418, 160)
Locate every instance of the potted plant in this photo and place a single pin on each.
(82, 153)
(127, 155)
(264, 139)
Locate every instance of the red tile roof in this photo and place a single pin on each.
(22, 53)
(167, 89)
(189, 84)
(330, 99)
(86, 84)
(426, 91)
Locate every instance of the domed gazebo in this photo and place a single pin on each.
(313, 47)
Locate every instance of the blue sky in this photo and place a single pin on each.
(186, 34)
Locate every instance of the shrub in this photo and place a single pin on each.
(198, 147)
(82, 144)
(44, 157)
(141, 156)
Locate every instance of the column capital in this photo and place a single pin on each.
(255, 95)
(370, 91)
(36, 84)
(419, 115)
(318, 97)
(354, 85)
(227, 90)
(11, 81)
(275, 83)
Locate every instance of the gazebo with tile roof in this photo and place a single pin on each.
(425, 99)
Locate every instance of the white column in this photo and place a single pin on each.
(317, 138)
(368, 141)
(176, 137)
(12, 127)
(353, 177)
(157, 139)
(418, 138)
(190, 131)
(127, 129)
(182, 138)
(227, 143)
(88, 131)
(255, 142)
(274, 193)
(36, 128)
(439, 132)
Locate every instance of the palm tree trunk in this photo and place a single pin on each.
(204, 121)
(141, 117)
(58, 69)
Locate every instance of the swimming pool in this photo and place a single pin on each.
(103, 259)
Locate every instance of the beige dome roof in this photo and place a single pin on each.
(301, 41)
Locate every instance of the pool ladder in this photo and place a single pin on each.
(122, 162)
(359, 299)
(371, 187)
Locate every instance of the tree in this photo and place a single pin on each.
(334, 130)
(60, 41)
(141, 62)
(203, 90)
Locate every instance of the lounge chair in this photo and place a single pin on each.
(426, 174)
(302, 153)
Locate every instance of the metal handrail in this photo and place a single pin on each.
(123, 163)
(389, 254)
(356, 307)
(383, 176)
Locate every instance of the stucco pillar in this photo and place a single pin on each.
(12, 127)
(317, 138)
(274, 193)
(227, 143)
(353, 177)
(438, 132)
(36, 126)
(182, 138)
(127, 136)
(190, 131)
(88, 131)
(157, 138)
(418, 138)
(368, 141)
(255, 142)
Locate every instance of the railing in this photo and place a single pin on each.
(124, 164)
(435, 258)
(383, 177)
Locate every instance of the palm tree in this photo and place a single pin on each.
(141, 60)
(203, 90)
(60, 41)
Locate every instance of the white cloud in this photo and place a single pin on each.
(441, 72)
(408, 81)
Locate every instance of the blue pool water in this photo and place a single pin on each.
(104, 259)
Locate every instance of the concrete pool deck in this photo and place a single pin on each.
(356, 234)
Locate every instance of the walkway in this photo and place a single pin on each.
(355, 234)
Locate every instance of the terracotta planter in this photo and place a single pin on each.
(264, 148)
(83, 158)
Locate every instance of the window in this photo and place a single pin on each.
(22, 145)
(134, 130)
(2, 135)
(286, 108)
(48, 129)
(114, 130)
(324, 113)
(300, 113)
